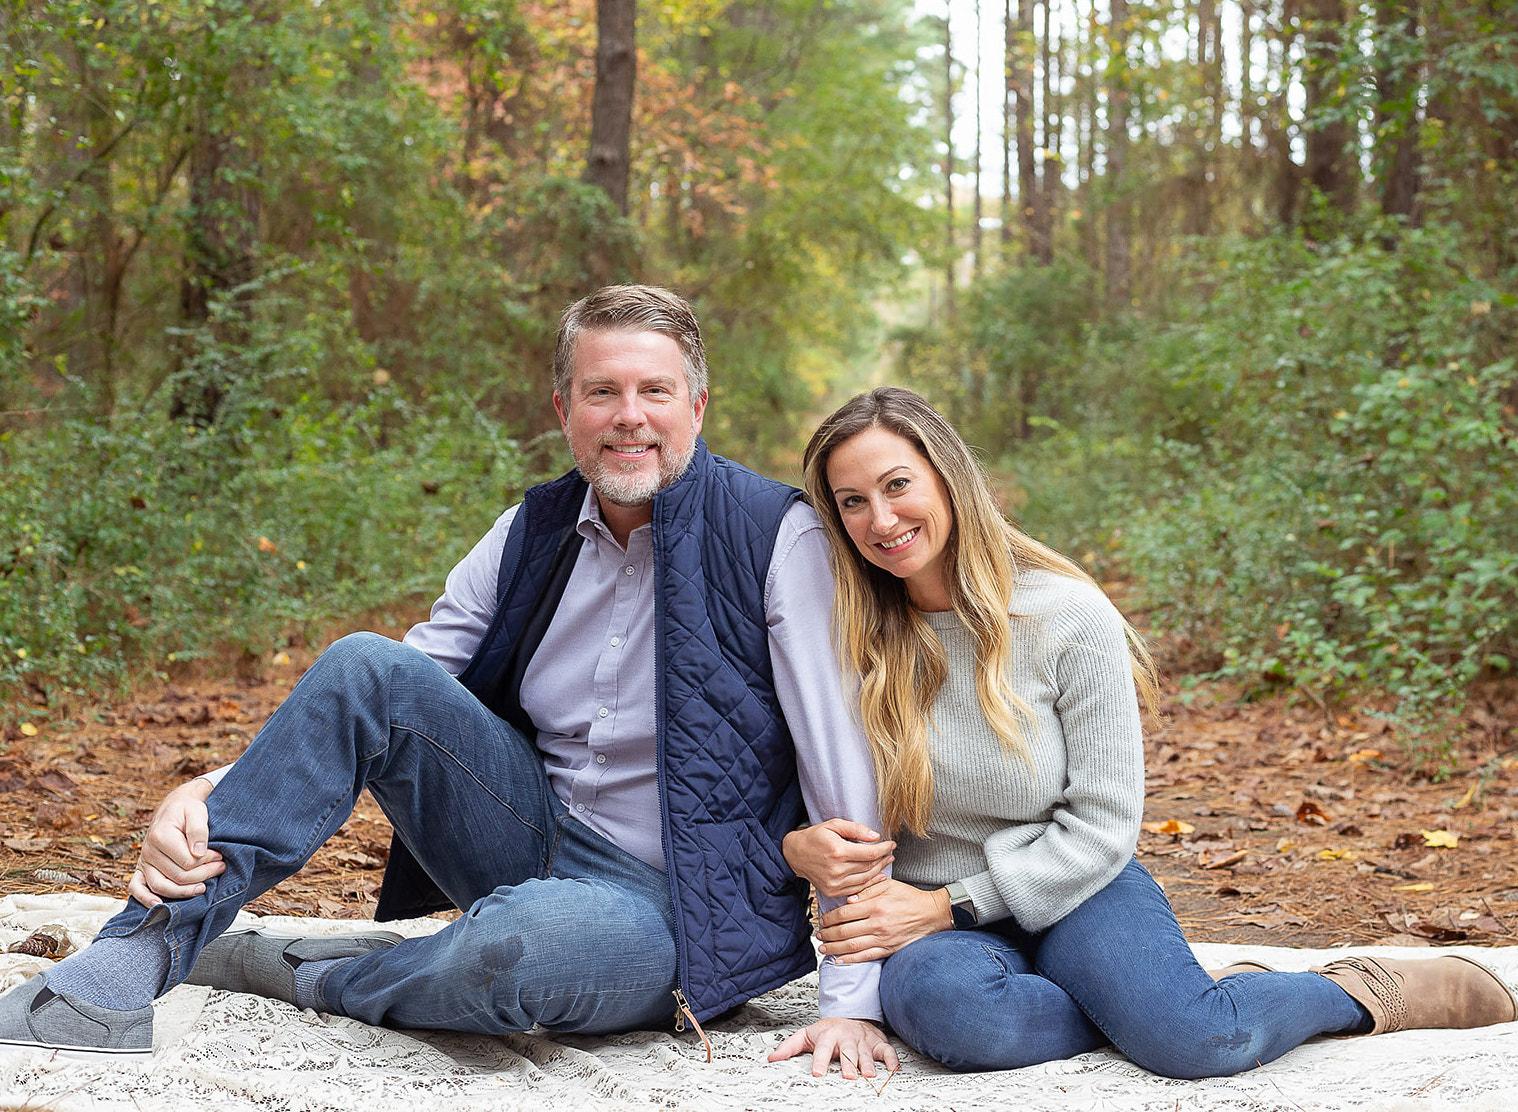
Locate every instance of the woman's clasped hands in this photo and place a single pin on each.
(847, 860)
(888, 915)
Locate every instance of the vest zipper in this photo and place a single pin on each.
(682, 1013)
(682, 1007)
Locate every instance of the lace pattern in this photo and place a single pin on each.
(224, 1051)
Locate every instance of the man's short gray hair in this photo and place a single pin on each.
(630, 309)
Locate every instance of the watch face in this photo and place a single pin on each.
(964, 915)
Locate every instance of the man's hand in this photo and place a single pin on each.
(838, 856)
(882, 919)
(856, 1043)
(175, 862)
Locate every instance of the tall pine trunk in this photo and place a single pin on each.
(1328, 167)
(1397, 121)
(612, 102)
(1119, 214)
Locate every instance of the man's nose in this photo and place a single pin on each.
(630, 411)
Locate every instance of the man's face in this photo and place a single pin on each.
(630, 420)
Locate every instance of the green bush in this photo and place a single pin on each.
(1308, 460)
(139, 542)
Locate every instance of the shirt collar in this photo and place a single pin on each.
(590, 521)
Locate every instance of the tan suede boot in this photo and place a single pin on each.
(1451, 991)
(1239, 967)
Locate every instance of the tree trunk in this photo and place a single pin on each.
(1027, 182)
(221, 240)
(1119, 214)
(951, 253)
(1085, 52)
(612, 103)
(975, 259)
(1285, 174)
(1329, 169)
(1397, 123)
(1008, 140)
(1046, 172)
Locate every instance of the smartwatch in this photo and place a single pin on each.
(961, 907)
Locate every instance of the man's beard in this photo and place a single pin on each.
(631, 487)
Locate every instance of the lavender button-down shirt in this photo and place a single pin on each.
(590, 690)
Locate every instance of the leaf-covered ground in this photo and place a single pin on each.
(1266, 822)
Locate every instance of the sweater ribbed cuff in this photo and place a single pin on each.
(989, 906)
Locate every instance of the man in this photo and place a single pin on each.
(594, 746)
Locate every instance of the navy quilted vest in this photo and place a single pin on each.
(727, 767)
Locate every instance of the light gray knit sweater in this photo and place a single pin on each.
(1035, 842)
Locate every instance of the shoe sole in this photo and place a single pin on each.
(78, 1053)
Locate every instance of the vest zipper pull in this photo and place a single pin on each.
(682, 1013)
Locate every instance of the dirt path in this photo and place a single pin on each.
(1267, 823)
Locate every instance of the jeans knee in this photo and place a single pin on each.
(931, 994)
(1190, 1055)
(367, 663)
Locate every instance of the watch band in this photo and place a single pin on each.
(961, 907)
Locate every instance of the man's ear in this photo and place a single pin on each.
(561, 407)
(698, 407)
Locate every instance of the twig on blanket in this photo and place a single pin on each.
(1427, 1085)
(1259, 1064)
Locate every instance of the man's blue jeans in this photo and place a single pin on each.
(562, 927)
(1115, 970)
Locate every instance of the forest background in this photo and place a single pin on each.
(1226, 291)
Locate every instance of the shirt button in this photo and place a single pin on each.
(580, 807)
(628, 570)
(602, 713)
(600, 758)
(615, 641)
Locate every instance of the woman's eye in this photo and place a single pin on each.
(897, 484)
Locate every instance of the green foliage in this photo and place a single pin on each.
(134, 544)
(1308, 462)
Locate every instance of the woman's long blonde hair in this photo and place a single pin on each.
(900, 661)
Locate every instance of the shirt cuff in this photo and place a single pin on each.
(849, 991)
(989, 905)
(215, 775)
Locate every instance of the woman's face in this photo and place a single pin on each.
(896, 510)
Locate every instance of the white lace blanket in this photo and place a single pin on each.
(217, 1050)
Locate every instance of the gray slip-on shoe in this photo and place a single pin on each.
(264, 964)
(34, 1016)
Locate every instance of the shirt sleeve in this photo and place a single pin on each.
(832, 756)
(462, 614)
(1040, 872)
(459, 617)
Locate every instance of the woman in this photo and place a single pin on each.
(1000, 691)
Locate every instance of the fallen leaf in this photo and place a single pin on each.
(1336, 855)
(1310, 812)
(1360, 756)
(1421, 886)
(281, 659)
(1285, 845)
(1440, 839)
(1169, 826)
(1465, 800)
(28, 729)
(266, 545)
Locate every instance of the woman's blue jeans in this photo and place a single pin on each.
(1115, 970)
(562, 927)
